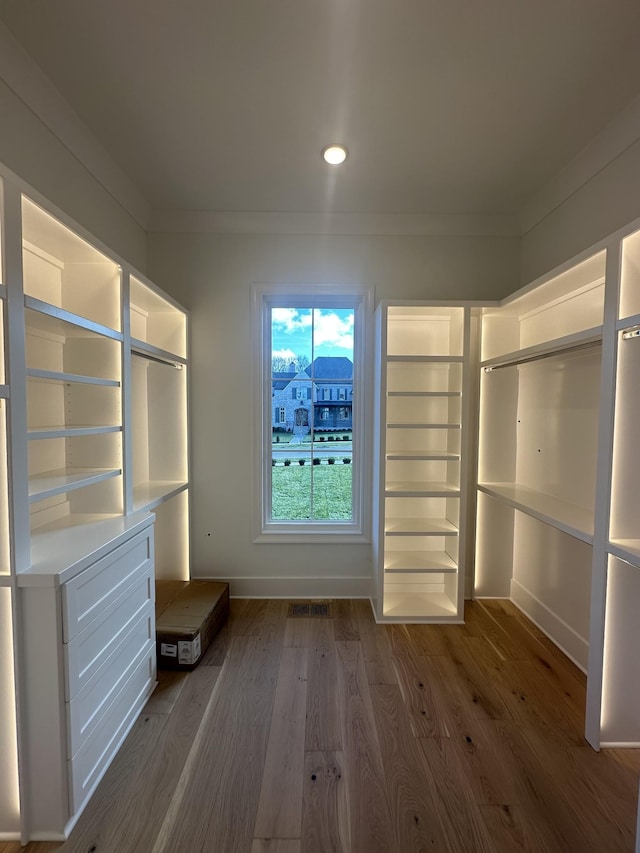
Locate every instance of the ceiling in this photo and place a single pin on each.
(446, 106)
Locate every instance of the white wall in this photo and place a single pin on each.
(30, 149)
(596, 208)
(212, 276)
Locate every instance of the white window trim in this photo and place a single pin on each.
(265, 297)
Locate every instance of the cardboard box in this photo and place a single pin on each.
(188, 616)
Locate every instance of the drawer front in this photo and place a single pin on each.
(86, 710)
(85, 597)
(92, 759)
(89, 650)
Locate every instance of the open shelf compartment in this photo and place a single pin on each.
(63, 269)
(155, 320)
(564, 305)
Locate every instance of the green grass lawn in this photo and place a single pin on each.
(292, 488)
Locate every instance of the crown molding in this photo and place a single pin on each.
(616, 138)
(395, 224)
(28, 82)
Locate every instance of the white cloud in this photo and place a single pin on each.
(331, 330)
(284, 353)
(290, 319)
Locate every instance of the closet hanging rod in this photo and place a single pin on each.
(630, 333)
(539, 356)
(156, 358)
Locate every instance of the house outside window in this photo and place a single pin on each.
(312, 340)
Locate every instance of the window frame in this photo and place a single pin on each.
(360, 299)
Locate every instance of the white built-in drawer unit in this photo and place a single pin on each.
(85, 597)
(90, 685)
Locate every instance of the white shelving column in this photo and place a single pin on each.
(10, 813)
(538, 448)
(613, 711)
(421, 492)
(73, 360)
(157, 399)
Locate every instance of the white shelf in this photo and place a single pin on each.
(557, 346)
(569, 518)
(58, 376)
(628, 322)
(424, 394)
(418, 562)
(422, 426)
(425, 359)
(407, 488)
(427, 607)
(67, 479)
(419, 527)
(69, 431)
(626, 549)
(147, 496)
(422, 456)
(54, 315)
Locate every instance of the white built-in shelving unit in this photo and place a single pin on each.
(613, 701)
(93, 485)
(159, 422)
(9, 735)
(421, 475)
(538, 449)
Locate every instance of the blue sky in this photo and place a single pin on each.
(293, 331)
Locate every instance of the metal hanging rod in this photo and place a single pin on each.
(631, 332)
(158, 359)
(538, 357)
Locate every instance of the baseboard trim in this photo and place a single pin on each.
(252, 587)
(575, 647)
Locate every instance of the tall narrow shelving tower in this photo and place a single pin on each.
(420, 497)
(10, 800)
(613, 701)
(159, 476)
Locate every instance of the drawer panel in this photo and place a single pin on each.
(87, 595)
(95, 755)
(87, 708)
(89, 650)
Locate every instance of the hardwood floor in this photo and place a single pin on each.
(334, 735)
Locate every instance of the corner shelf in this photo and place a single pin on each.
(147, 496)
(570, 518)
(626, 549)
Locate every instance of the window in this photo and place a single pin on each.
(314, 483)
(282, 415)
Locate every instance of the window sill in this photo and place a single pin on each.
(299, 535)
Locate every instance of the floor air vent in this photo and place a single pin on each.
(321, 610)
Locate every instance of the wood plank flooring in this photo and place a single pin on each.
(338, 735)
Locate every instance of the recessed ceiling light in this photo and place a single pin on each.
(334, 154)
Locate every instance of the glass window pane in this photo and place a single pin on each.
(311, 412)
